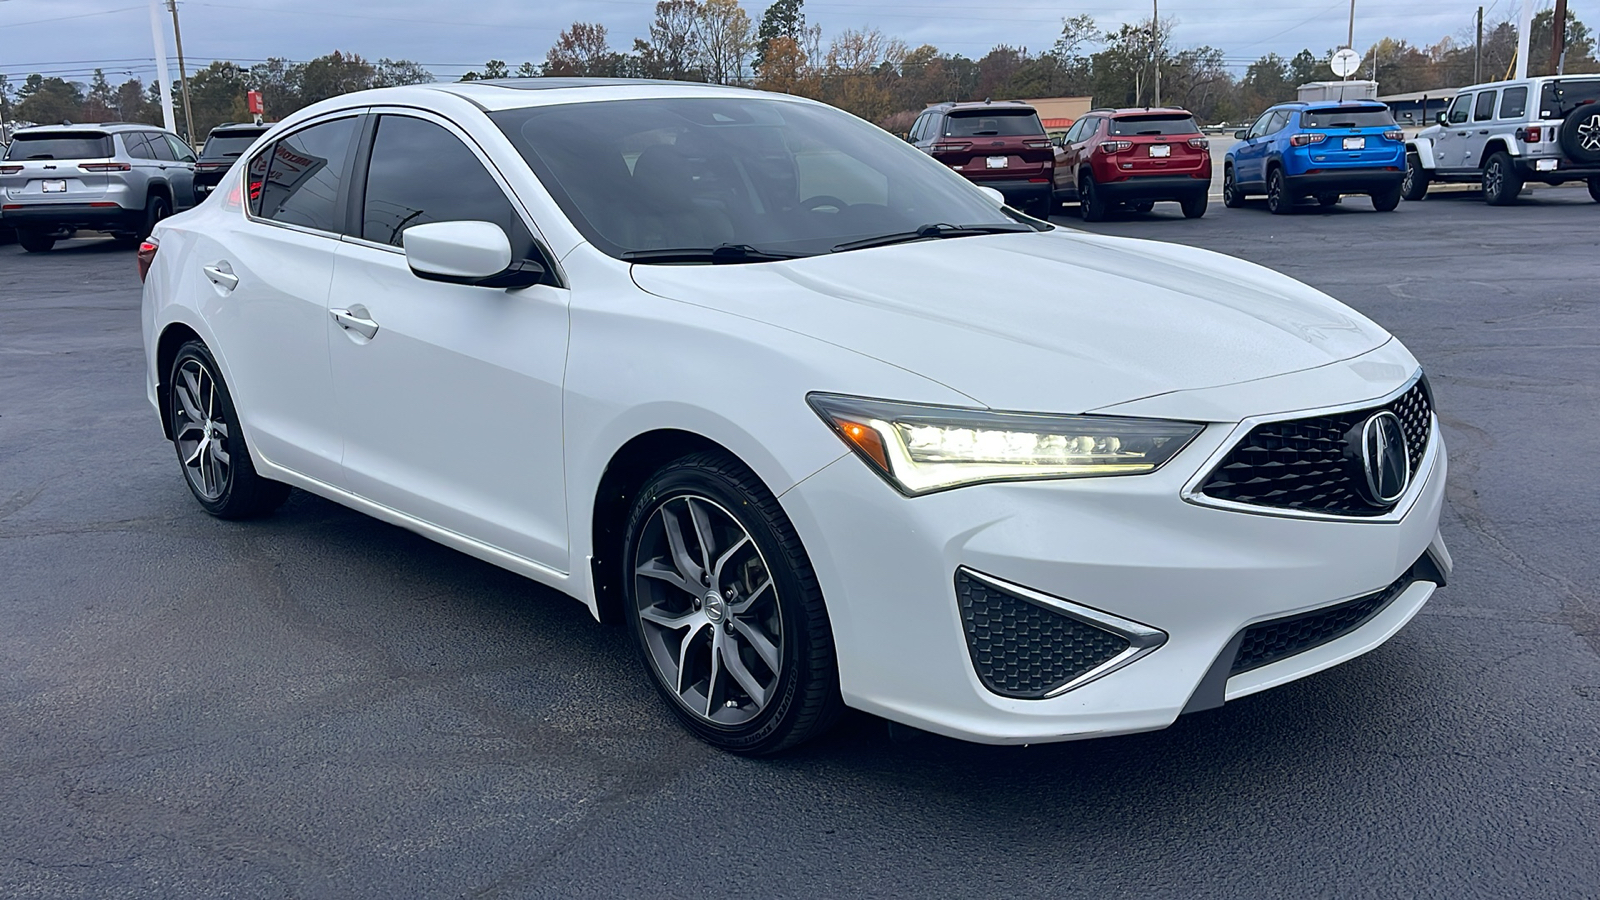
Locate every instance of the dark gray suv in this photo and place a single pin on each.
(116, 178)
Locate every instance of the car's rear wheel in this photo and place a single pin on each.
(155, 209)
(1327, 199)
(1414, 186)
(1194, 205)
(1232, 197)
(726, 610)
(1501, 183)
(1144, 206)
(1279, 203)
(1386, 201)
(1594, 188)
(1091, 205)
(210, 444)
(35, 241)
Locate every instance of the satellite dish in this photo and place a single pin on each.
(1345, 62)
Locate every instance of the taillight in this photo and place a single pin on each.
(1533, 134)
(10, 170)
(1307, 138)
(105, 167)
(1396, 136)
(147, 255)
(1200, 143)
(949, 147)
(1114, 146)
(1036, 145)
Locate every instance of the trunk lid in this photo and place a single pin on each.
(1159, 144)
(997, 143)
(1355, 136)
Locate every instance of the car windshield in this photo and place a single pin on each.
(997, 122)
(1154, 125)
(1559, 98)
(773, 177)
(60, 145)
(1347, 117)
(228, 145)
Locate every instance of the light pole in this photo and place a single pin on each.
(163, 76)
(183, 76)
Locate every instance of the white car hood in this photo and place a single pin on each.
(1054, 322)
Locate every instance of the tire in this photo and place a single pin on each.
(781, 704)
(1279, 203)
(1579, 136)
(1326, 200)
(1387, 201)
(1594, 188)
(1143, 207)
(155, 209)
(1415, 184)
(35, 241)
(1232, 197)
(1090, 204)
(199, 406)
(1194, 205)
(1501, 182)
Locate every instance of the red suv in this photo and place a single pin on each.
(1133, 157)
(998, 145)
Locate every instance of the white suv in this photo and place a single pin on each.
(1506, 133)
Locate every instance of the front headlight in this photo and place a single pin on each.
(920, 449)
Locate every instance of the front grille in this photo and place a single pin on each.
(1314, 464)
(1268, 642)
(1023, 649)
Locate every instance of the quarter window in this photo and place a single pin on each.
(422, 173)
(179, 148)
(297, 180)
(138, 145)
(1484, 109)
(1514, 103)
(159, 148)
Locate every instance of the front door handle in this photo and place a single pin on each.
(355, 319)
(221, 275)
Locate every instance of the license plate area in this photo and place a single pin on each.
(53, 186)
(1157, 151)
(1355, 143)
(1545, 165)
(998, 162)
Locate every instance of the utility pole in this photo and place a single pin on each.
(1558, 43)
(1524, 34)
(163, 74)
(1350, 38)
(1155, 34)
(1477, 53)
(183, 76)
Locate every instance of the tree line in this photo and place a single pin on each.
(871, 74)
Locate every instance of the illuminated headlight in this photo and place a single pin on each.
(929, 448)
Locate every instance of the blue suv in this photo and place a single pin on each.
(1317, 149)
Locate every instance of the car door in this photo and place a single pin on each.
(1066, 169)
(1449, 147)
(180, 173)
(451, 395)
(1477, 137)
(1249, 157)
(266, 272)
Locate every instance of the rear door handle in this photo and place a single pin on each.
(355, 319)
(221, 275)
(1484, 131)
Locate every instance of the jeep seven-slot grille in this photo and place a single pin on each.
(1268, 642)
(1025, 650)
(1310, 464)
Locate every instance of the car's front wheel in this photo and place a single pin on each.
(1232, 197)
(726, 609)
(35, 241)
(1594, 188)
(1414, 186)
(1501, 183)
(210, 443)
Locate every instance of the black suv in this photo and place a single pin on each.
(225, 144)
(996, 145)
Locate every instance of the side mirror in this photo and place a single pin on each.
(1241, 134)
(1444, 118)
(995, 197)
(470, 253)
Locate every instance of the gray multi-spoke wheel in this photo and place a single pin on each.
(1501, 181)
(726, 609)
(210, 445)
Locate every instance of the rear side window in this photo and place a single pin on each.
(1514, 103)
(422, 173)
(60, 145)
(1347, 117)
(1559, 98)
(297, 180)
(1154, 125)
(992, 123)
(1483, 110)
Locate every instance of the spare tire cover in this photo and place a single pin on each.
(1580, 135)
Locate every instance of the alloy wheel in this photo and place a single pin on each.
(1589, 134)
(708, 610)
(200, 430)
(1492, 179)
(1408, 181)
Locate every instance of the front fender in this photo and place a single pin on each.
(1423, 148)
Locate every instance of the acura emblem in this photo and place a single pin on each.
(1385, 458)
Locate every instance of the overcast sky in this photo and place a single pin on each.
(71, 38)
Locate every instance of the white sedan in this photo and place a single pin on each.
(821, 422)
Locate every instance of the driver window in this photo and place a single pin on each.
(1260, 127)
(1458, 109)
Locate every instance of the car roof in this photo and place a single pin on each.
(961, 106)
(1120, 111)
(101, 127)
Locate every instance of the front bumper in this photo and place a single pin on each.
(1130, 547)
(104, 216)
(1347, 181)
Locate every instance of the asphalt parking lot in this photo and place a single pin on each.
(320, 705)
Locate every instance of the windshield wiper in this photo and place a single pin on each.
(720, 254)
(929, 232)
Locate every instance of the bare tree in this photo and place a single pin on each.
(725, 42)
(673, 50)
(581, 50)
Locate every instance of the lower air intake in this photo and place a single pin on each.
(1267, 642)
(1024, 649)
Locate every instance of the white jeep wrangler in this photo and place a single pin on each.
(1506, 133)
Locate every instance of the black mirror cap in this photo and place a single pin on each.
(521, 274)
(1240, 135)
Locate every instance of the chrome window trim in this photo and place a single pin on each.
(1191, 492)
(1142, 639)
